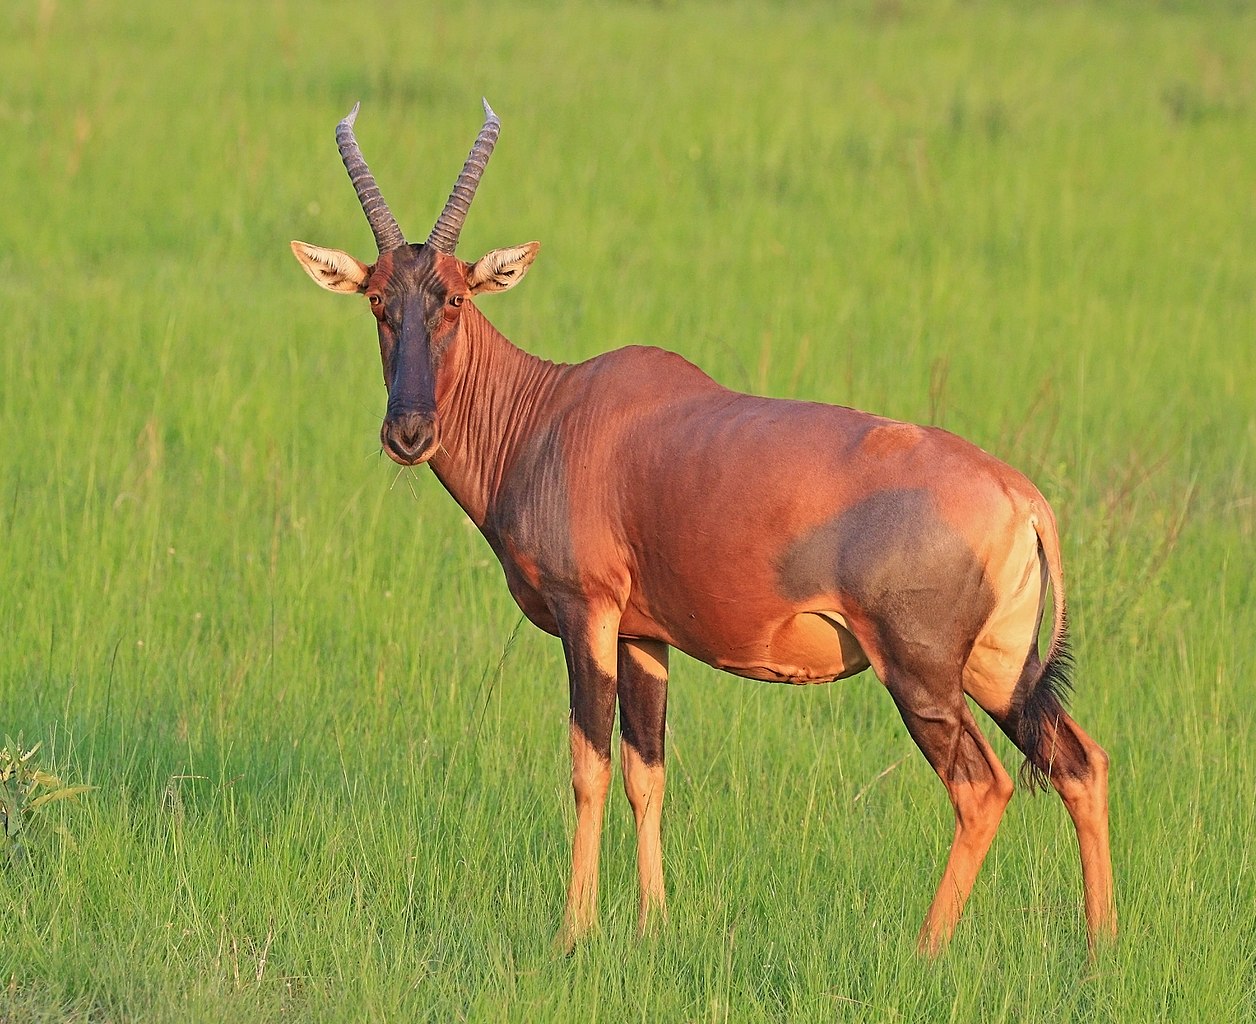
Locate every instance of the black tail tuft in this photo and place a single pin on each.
(1044, 704)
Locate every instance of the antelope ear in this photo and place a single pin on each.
(501, 269)
(332, 269)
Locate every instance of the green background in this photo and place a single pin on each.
(330, 763)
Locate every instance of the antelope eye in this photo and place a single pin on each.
(455, 300)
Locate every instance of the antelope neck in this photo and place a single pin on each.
(492, 399)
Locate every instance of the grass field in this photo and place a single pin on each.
(330, 764)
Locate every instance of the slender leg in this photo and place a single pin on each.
(979, 788)
(642, 718)
(589, 644)
(1078, 769)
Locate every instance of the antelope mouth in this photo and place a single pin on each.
(410, 439)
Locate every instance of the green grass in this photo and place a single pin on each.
(329, 785)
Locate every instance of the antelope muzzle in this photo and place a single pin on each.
(410, 438)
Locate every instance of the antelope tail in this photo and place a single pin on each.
(1046, 694)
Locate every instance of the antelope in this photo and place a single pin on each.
(636, 505)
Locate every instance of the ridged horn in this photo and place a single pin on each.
(384, 227)
(444, 236)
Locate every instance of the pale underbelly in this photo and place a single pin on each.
(810, 647)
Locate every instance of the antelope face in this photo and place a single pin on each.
(420, 299)
(417, 310)
(417, 293)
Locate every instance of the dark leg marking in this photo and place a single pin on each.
(1031, 722)
(592, 690)
(643, 702)
(589, 647)
(643, 720)
(977, 784)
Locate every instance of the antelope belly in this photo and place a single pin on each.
(811, 647)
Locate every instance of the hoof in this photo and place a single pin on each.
(569, 936)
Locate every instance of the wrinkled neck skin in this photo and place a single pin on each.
(487, 399)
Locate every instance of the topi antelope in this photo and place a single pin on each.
(637, 505)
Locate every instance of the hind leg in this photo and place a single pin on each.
(1023, 697)
(1085, 794)
(1058, 751)
(1077, 768)
(975, 780)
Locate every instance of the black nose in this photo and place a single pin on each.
(409, 437)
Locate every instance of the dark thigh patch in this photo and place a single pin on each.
(912, 575)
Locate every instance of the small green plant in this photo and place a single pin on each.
(24, 789)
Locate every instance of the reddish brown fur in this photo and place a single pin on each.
(635, 504)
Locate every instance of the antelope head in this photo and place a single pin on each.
(417, 292)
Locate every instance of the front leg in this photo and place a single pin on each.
(642, 720)
(589, 644)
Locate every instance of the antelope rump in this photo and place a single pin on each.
(637, 505)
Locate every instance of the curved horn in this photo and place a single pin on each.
(388, 235)
(444, 236)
